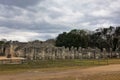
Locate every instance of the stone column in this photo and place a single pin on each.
(110, 53)
(89, 53)
(11, 50)
(72, 52)
(67, 53)
(117, 53)
(53, 54)
(47, 52)
(98, 53)
(43, 54)
(50, 53)
(7, 51)
(56, 53)
(26, 53)
(2, 50)
(40, 53)
(31, 53)
(79, 53)
(75, 53)
(83, 53)
(104, 53)
(63, 52)
(34, 53)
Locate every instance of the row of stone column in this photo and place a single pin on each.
(53, 53)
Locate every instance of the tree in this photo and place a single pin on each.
(101, 38)
(75, 38)
(2, 42)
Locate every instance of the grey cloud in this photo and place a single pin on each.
(41, 27)
(51, 17)
(20, 3)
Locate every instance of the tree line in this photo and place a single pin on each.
(101, 38)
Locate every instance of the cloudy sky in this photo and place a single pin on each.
(27, 20)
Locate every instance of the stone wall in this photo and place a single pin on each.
(46, 51)
(43, 53)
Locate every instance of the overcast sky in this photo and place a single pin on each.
(27, 20)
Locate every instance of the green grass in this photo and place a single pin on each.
(44, 64)
(56, 64)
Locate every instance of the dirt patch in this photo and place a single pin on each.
(72, 74)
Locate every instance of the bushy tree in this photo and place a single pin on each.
(76, 38)
(101, 38)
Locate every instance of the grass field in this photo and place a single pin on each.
(63, 66)
(57, 63)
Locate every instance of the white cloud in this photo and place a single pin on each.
(48, 18)
(12, 34)
(101, 13)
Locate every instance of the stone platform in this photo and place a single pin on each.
(13, 60)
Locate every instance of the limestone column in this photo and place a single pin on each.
(104, 53)
(72, 52)
(11, 50)
(111, 53)
(67, 53)
(50, 53)
(63, 52)
(43, 54)
(98, 53)
(2, 50)
(32, 53)
(53, 54)
(79, 53)
(75, 53)
(117, 53)
(83, 53)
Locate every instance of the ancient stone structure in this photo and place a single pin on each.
(46, 50)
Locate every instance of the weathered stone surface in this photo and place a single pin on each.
(47, 51)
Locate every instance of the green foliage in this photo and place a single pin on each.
(2, 42)
(101, 38)
(74, 38)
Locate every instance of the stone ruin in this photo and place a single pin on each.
(47, 51)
